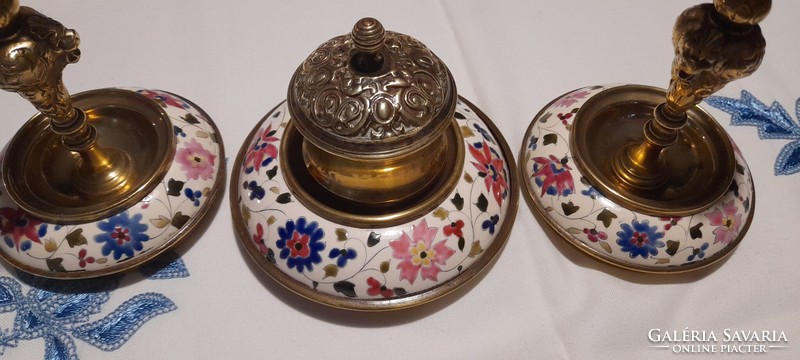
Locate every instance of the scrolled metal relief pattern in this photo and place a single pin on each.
(335, 97)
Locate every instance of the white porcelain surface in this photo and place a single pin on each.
(611, 232)
(137, 234)
(380, 264)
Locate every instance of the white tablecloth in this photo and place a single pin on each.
(542, 298)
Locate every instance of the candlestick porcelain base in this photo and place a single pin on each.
(635, 235)
(177, 173)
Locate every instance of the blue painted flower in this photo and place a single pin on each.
(490, 224)
(698, 253)
(193, 195)
(640, 239)
(300, 244)
(123, 235)
(58, 313)
(342, 255)
(256, 191)
(483, 132)
(532, 142)
(591, 192)
(178, 131)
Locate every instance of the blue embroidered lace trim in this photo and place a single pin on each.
(60, 311)
(773, 122)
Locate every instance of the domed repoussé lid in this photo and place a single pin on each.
(372, 92)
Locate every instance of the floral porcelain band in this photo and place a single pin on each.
(611, 232)
(378, 268)
(129, 238)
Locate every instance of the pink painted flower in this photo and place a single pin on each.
(727, 222)
(83, 260)
(553, 176)
(571, 98)
(258, 239)
(167, 98)
(490, 167)
(594, 236)
(261, 152)
(419, 255)
(19, 225)
(196, 161)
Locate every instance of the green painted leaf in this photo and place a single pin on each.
(272, 172)
(606, 216)
(284, 198)
(482, 203)
(672, 247)
(399, 291)
(384, 266)
(76, 238)
(695, 231)
(345, 288)
(458, 201)
(373, 239)
(545, 117)
(179, 220)
(54, 264)
(569, 208)
(550, 139)
(459, 116)
(189, 118)
(461, 243)
(468, 178)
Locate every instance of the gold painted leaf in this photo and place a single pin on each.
(50, 245)
(441, 213)
(271, 220)
(341, 234)
(466, 131)
(662, 261)
(548, 209)
(245, 214)
(161, 222)
(101, 260)
(385, 266)
(605, 246)
(468, 178)
(202, 134)
(206, 191)
(331, 270)
(574, 231)
(275, 189)
(476, 249)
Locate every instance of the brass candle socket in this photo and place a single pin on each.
(714, 44)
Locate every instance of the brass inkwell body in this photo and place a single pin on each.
(374, 202)
(376, 128)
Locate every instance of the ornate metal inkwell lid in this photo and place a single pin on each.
(94, 183)
(374, 186)
(647, 180)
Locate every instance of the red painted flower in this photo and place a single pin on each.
(376, 288)
(491, 169)
(258, 238)
(727, 222)
(261, 152)
(83, 259)
(594, 236)
(19, 225)
(454, 229)
(419, 255)
(553, 176)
